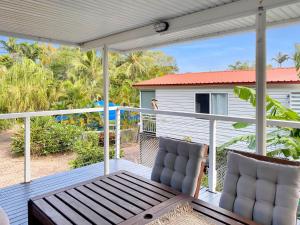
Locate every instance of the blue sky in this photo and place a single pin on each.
(218, 53)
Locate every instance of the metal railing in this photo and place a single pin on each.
(213, 119)
(27, 119)
(148, 123)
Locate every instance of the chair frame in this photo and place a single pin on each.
(202, 170)
(267, 158)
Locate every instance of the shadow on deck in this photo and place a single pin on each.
(13, 199)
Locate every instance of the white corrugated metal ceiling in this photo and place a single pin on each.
(128, 24)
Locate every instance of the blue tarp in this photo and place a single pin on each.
(112, 112)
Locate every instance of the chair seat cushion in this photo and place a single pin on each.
(265, 192)
(178, 164)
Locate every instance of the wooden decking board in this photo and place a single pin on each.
(48, 185)
(47, 180)
(23, 194)
(14, 199)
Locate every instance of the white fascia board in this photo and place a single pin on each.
(36, 38)
(213, 35)
(217, 14)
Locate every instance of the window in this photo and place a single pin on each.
(214, 103)
(202, 103)
(295, 101)
(219, 104)
(146, 99)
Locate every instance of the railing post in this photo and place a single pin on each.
(118, 134)
(27, 172)
(141, 123)
(261, 84)
(212, 173)
(106, 109)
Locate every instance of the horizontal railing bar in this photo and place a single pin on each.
(278, 123)
(191, 115)
(275, 123)
(52, 113)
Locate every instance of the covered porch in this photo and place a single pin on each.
(14, 199)
(140, 25)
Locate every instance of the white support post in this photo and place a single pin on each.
(27, 172)
(261, 86)
(118, 134)
(141, 115)
(212, 173)
(106, 109)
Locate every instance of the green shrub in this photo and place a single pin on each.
(6, 124)
(47, 137)
(89, 151)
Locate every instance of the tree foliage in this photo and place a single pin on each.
(281, 58)
(40, 77)
(26, 86)
(47, 137)
(238, 65)
(297, 58)
(281, 141)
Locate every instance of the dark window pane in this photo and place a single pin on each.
(202, 103)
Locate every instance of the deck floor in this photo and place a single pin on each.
(13, 199)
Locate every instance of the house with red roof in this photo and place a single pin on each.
(212, 92)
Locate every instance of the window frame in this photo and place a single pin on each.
(146, 90)
(210, 100)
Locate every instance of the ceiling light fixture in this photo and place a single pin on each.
(161, 27)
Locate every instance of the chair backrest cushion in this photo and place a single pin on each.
(265, 192)
(3, 217)
(177, 164)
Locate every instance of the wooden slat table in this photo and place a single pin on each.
(119, 198)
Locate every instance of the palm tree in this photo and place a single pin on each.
(88, 65)
(133, 65)
(11, 45)
(240, 66)
(280, 58)
(31, 51)
(24, 49)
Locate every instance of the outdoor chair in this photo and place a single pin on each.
(3, 217)
(180, 165)
(263, 189)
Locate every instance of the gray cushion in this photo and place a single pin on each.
(267, 193)
(3, 218)
(177, 164)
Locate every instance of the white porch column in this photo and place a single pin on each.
(212, 172)
(27, 169)
(106, 109)
(118, 133)
(261, 87)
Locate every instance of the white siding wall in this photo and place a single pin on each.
(198, 130)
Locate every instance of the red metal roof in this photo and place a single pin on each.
(276, 75)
